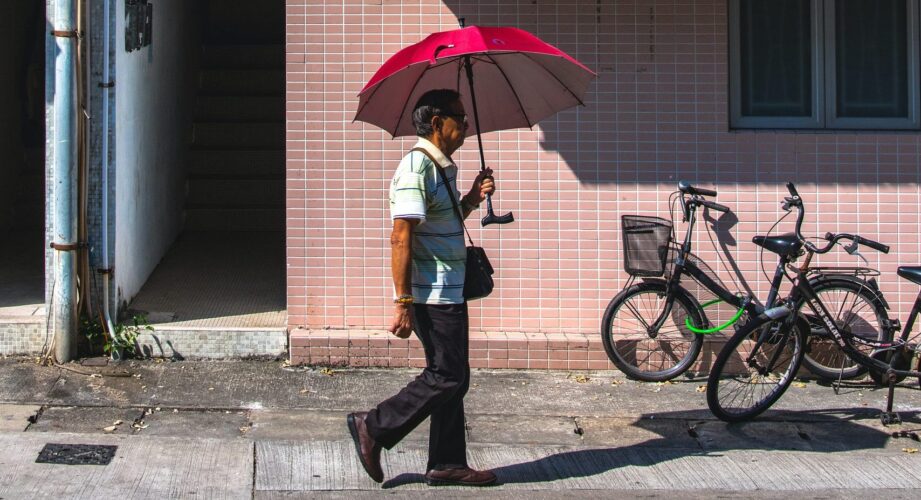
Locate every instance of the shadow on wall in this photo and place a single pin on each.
(658, 111)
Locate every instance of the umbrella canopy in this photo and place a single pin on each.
(518, 79)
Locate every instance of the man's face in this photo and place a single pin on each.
(454, 126)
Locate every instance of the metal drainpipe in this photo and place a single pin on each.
(64, 174)
(107, 89)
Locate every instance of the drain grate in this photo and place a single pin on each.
(76, 454)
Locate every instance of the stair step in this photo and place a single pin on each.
(222, 135)
(234, 219)
(237, 162)
(240, 108)
(243, 56)
(236, 193)
(232, 82)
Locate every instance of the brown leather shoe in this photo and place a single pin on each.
(460, 477)
(369, 452)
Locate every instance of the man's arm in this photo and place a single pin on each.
(401, 267)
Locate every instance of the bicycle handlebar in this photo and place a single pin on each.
(686, 188)
(714, 206)
(858, 240)
(796, 201)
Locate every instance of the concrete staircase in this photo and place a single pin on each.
(237, 173)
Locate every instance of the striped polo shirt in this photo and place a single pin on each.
(439, 253)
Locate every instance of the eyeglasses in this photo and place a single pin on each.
(460, 117)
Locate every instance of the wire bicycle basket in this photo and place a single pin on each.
(646, 244)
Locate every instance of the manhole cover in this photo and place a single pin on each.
(76, 454)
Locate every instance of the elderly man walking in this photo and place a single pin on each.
(428, 263)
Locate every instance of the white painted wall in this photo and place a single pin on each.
(154, 100)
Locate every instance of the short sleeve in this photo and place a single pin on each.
(409, 196)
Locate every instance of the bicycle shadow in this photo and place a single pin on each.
(829, 430)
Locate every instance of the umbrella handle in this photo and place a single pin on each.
(492, 218)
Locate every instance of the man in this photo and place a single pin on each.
(428, 261)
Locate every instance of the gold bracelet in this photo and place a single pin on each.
(403, 299)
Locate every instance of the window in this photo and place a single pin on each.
(838, 64)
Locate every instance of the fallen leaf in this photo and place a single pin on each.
(616, 382)
(327, 371)
(799, 385)
(582, 379)
(702, 388)
(110, 428)
(910, 450)
(305, 391)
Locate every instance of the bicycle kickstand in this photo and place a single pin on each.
(890, 417)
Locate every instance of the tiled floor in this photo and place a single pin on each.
(22, 280)
(218, 280)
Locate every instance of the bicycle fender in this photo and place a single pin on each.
(873, 285)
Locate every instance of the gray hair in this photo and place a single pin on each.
(431, 104)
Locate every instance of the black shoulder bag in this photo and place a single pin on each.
(478, 282)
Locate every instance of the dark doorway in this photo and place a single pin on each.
(22, 160)
(230, 257)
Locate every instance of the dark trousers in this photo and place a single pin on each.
(437, 392)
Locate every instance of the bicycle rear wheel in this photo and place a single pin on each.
(746, 380)
(857, 310)
(642, 355)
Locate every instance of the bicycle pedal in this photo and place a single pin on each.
(890, 418)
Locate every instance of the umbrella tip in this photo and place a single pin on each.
(461, 21)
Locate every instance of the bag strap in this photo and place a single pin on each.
(444, 179)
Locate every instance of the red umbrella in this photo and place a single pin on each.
(519, 78)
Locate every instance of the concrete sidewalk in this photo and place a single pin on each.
(258, 429)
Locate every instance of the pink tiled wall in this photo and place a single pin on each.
(656, 114)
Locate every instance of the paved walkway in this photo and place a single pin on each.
(256, 429)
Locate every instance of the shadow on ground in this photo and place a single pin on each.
(825, 431)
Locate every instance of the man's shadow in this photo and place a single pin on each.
(582, 463)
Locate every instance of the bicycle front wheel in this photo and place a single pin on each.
(747, 378)
(857, 311)
(640, 353)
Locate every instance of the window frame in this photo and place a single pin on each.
(831, 77)
(816, 120)
(824, 84)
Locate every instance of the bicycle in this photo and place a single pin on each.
(759, 362)
(654, 330)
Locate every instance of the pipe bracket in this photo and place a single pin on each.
(65, 34)
(67, 247)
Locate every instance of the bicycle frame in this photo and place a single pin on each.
(684, 266)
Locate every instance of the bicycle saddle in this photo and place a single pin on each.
(784, 244)
(911, 273)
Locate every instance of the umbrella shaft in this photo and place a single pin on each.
(476, 118)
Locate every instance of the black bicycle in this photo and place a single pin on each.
(654, 330)
(761, 360)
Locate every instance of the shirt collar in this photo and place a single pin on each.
(436, 153)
